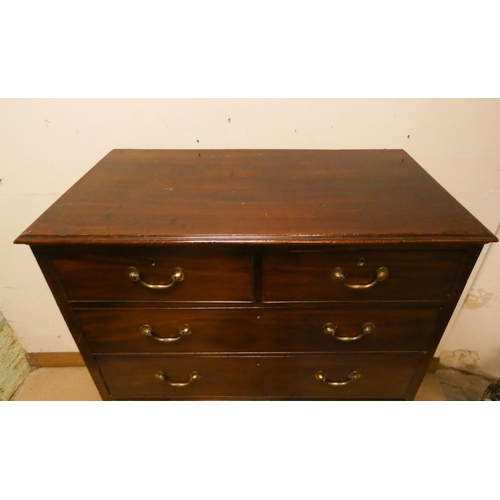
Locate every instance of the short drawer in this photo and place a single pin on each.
(360, 275)
(339, 329)
(153, 274)
(259, 377)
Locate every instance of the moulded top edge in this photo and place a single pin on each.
(252, 239)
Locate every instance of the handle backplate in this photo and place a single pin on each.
(381, 274)
(148, 331)
(163, 376)
(135, 275)
(352, 377)
(331, 329)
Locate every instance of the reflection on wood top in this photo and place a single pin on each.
(256, 196)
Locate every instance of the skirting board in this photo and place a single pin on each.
(62, 359)
(55, 359)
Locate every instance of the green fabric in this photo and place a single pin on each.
(14, 366)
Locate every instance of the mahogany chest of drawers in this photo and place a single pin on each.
(257, 274)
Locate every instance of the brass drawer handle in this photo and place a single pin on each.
(135, 275)
(321, 376)
(381, 275)
(192, 377)
(331, 329)
(148, 331)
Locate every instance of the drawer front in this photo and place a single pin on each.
(259, 377)
(148, 275)
(359, 275)
(341, 329)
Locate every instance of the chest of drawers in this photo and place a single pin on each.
(257, 274)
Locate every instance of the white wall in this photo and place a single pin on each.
(47, 145)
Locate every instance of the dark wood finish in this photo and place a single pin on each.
(257, 234)
(276, 196)
(307, 276)
(397, 328)
(74, 359)
(54, 283)
(100, 274)
(459, 283)
(259, 377)
(433, 365)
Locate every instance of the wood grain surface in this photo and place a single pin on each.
(278, 196)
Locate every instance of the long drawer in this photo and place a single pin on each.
(339, 329)
(153, 274)
(362, 376)
(359, 275)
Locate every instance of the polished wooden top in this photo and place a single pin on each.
(256, 196)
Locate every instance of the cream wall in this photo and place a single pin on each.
(47, 145)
